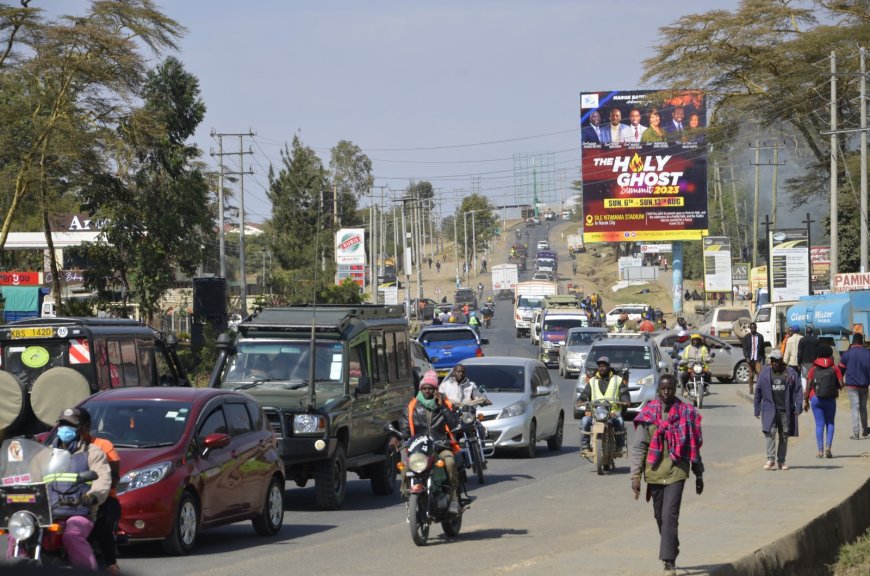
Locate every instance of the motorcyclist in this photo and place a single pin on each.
(605, 384)
(624, 324)
(459, 389)
(474, 322)
(84, 456)
(429, 412)
(695, 352)
(490, 303)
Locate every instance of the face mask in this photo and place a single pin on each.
(66, 434)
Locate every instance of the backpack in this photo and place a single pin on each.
(825, 382)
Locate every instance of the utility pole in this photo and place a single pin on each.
(419, 211)
(863, 214)
(736, 211)
(241, 173)
(474, 241)
(758, 148)
(835, 202)
(222, 242)
(456, 248)
(767, 225)
(808, 221)
(718, 186)
(755, 207)
(465, 245)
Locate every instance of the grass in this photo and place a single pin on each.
(854, 558)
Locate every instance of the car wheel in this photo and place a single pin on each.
(383, 474)
(185, 528)
(529, 451)
(741, 372)
(330, 480)
(269, 521)
(724, 379)
(554, 443)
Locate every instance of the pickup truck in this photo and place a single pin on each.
(448, 344)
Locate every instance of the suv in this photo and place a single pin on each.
(327, 400)
(449, 344)
(49, 364)
(572, 356)
(464, 296)
(543, 245)
(718, 322)
(640, 354)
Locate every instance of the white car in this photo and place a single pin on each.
(543, 245)
(635, 312)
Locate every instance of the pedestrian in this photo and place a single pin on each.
(778, 403)
(429, 261)
(666, 444)
(438, 266)
(483, 266)
(824, 382)
(753, 353)
(790, 354)
(807, 353)
(665, 263)
(855, 365)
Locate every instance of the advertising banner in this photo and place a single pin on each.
(820, 257)
(655, 248)
(19, 279)
(717, 264)
(851, 281)
(356, 272)
(644, 166)
(350, 246)
(789, 264)
(740, 273)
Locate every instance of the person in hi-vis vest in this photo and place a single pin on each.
(604, 385)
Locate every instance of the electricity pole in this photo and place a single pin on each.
(758, 148)
(835, 206)
(863, 214)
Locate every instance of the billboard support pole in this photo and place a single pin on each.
(809, 253)
(677, 256)
(767, 224)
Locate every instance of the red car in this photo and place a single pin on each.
(191, 458)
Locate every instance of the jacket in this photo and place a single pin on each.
(807, 349)
(764, 403)
(747, 347)
(822, 363)
(84, 456)
(790, 355)
(418, 420)
(459, 392)
(855, 366)
(623, 396)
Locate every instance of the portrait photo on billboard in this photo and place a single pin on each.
(644, 165)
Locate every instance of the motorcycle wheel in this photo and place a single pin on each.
(598, 455)
(699, 395)
(417, 519)
(477, 455)
(452, 527)
(611, 450)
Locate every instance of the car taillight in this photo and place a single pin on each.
(479, 353)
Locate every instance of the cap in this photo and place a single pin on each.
(603, 360)
(430, 378)
(795, 328)
(776, 355)
(70, 416)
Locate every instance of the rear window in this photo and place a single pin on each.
(563, 324)
(447, 336)
(584, 338)
(529, 302)
(732, 315)
(497, 378)
(634, 356)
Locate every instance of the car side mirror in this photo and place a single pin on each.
(663, 365)
(484, 341)
(364, 386)
(215, 440)
(542, 391)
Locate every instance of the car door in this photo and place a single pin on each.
(720, 365)
(244, 449)
(219, 479)
(551, 404)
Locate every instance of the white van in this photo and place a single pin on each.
(635, 312)
(543, 245)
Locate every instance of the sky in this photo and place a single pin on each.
(447, 91)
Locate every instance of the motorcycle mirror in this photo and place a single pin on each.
(59, 461)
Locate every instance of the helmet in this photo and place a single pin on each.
(473, 314)
(696, 337)
(452, 319)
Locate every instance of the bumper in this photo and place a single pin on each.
(152, 508)
(508, 432)
(550, 357)
(298, 453)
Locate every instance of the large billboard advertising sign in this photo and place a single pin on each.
(350, 246)
(644, 163)
(789, 264)
(717, 264)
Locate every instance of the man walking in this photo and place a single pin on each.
(790, 354)
(807, 354)
(855, 365)
(753, 352)
(667, 443)
(778, 402)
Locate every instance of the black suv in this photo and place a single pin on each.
(465, 296)
(49, 364)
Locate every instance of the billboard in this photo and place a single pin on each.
(789, 264)
(717, 264)
(350, 246)
(644, 165)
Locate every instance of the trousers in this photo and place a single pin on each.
(776, 451)
(858, 403)
(667, 499)
(824, 411)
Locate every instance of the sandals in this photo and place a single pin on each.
(828, 454)
(770, 466)
(821, 455)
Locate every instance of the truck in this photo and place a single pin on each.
(575, 243)
(529, 298)
(561, 313)
(771, 320)
(833, 317)
(22, 302)
(504, 280)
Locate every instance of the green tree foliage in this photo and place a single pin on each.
(155, 203)
(478, 210)
(351, 180)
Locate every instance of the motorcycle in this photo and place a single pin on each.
(473, 450)
(696, 385)
(29, 502)
(602, 441)
(427, 489)
(487, 315)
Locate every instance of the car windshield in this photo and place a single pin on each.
(283, 365)
(497, 378)
(584, 338)
(139, 423)
(434, 336)
(563, 324)
(633, 356)
(529, 302)
(732, 315)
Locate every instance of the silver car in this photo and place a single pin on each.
(640, 354)
(525, 405)
(572, 356)
(727, 364)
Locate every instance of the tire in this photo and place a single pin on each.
(725, 380)
(330, 480)
(741, 372)
(417, 519)
(529, 451)
(452, 527)
(699, 396)
(269, 521)
(598, 455)
(554, 443)
(185, 527)
(519, 333)
(57, 389)
(14, 397)
(383, 476)
(478, 462)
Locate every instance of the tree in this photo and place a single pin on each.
(351, 180)
(155, 204)
(484, 219)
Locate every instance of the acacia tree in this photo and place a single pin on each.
(156, 204)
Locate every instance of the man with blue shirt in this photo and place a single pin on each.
(855, 365)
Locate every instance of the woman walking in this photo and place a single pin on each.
(824, 381)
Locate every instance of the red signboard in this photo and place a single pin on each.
(19, 279)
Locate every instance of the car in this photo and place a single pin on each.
(191, 458)
(546, 276)
(572, 356)
(727, 364)
(424, 311)
(636, 312)
(718, 322)
(543, 245)
(530, 222)
(545, 265)
(637, 352)
(525, 408)
(464, 296)
(448, 344)
(421, 363)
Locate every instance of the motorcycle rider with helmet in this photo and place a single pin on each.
(694, 352)
(605, 384)
(474, 322)
(429, 412)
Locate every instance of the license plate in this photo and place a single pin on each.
(724, 333)
(32, 332)
(443, 372)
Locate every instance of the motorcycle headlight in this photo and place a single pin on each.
(417, 462)
(309, 424)
(22, 525)
(467, 417)
(601, 412)
(697, 369)
(515, 409)
(143, 477)
(646, 381)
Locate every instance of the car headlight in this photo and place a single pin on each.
(418, 462)
(309, 424)
(515, 409)
(646, 381)
(575, 356)
(22, 525)
(143, 477)
(546, 344)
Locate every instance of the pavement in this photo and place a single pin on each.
(748, 521)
